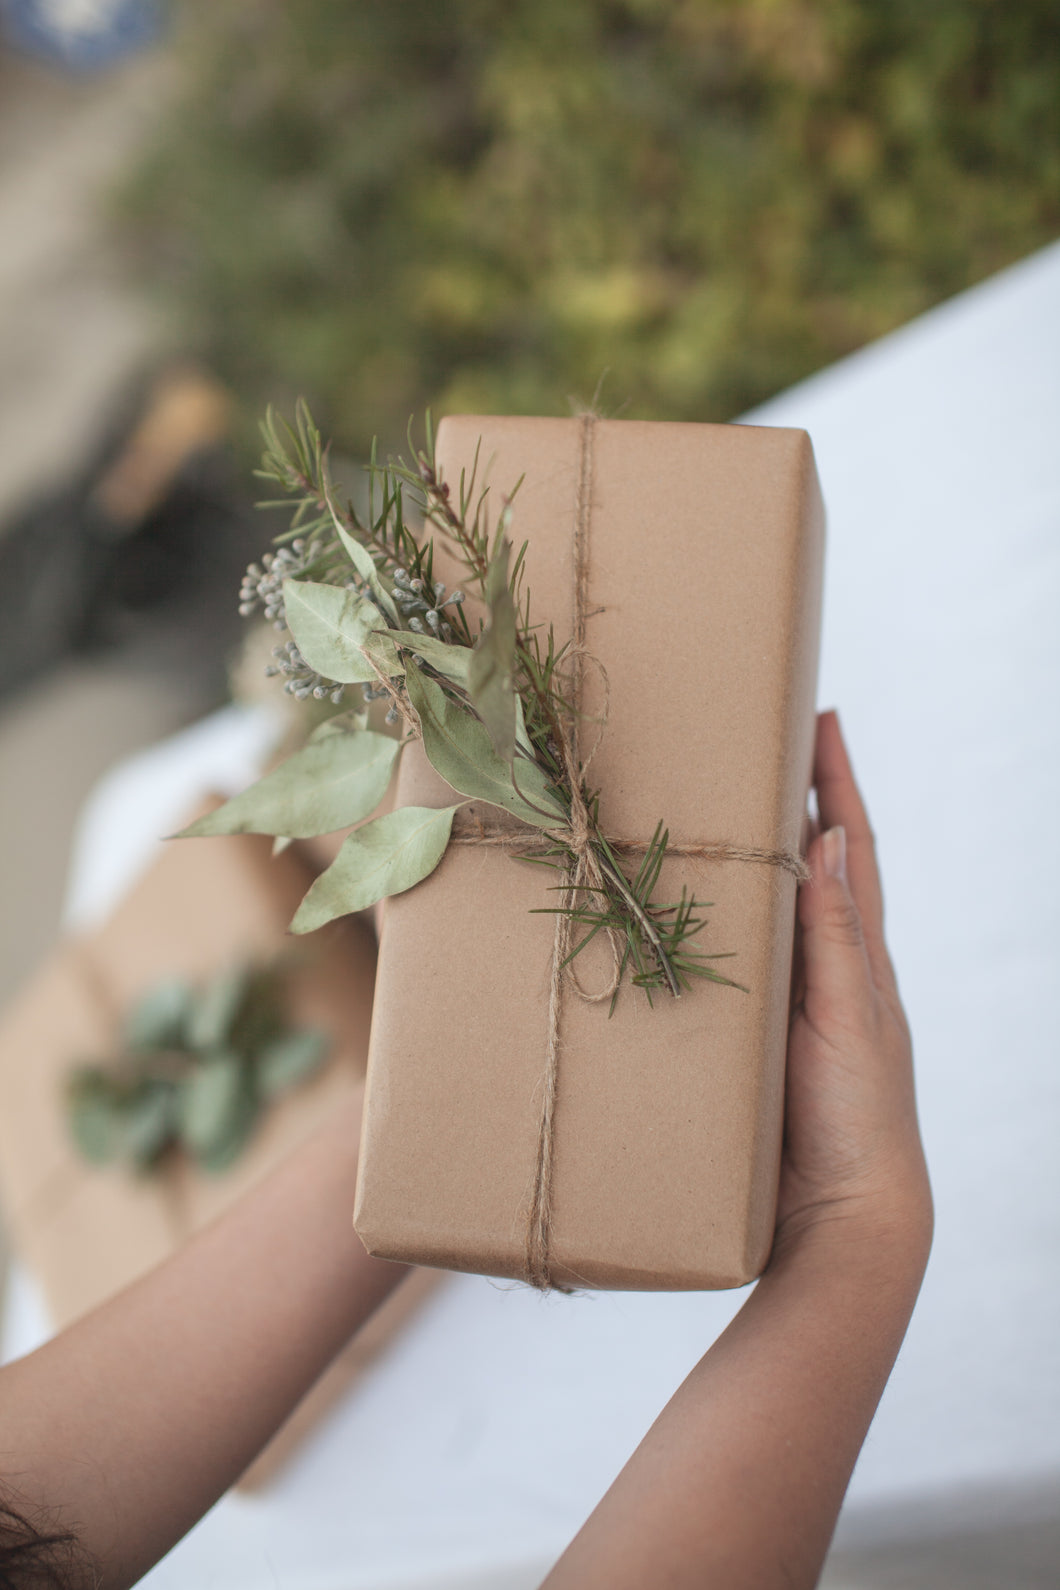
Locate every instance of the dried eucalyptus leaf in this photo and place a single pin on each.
(94, 1115)
(214, 1012)
(452, 662)
(459, 748)
(490, 688)
(333, 628)
(384, 857)
(493, 659)
(522, 738)
(229, 1148)
(328, 784)
(240, 1126)
(289, 1060)
(352, 721)
(212, 1103)
(364, 563)
(158, 1020)
(148, 1122)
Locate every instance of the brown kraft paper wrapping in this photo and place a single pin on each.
(86, 1231)
(703, 546)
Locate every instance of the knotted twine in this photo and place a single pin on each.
(583, 874)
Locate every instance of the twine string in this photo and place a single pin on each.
(585, 870)
(513, 837)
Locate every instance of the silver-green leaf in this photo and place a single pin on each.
(158, 1019)
(458, 746)
(493, 659)
(229, 1147)
(353, 721)
(384, 857)
(214, 1013)
(452, 662)
(333, 628)
(364, 563)
(147, 1123)
(288, 1060)
(95, 1116)
(328, 784)
(212, 1102)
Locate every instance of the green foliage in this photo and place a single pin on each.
(458, 746)
(195, 1070)
(655, 939)
(216, 1108)
(452, 663)
(384, 857)
(159, 1017)
(488, 704)
(332, 627)
(287, 1060)
(485, 205)
(331, 783)
(493, 661)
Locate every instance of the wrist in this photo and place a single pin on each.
(877, 1239)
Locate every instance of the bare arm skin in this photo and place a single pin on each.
(739, 1482)
(131, 1423)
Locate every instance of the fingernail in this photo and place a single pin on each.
(834, 853)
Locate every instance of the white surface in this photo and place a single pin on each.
(477, 1446)
(149, 795)
(939, 450)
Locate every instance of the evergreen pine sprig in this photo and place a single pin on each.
(356, 598)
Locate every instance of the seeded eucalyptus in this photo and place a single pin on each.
(195, 1069)
(356, 603)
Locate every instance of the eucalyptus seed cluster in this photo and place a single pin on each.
(380, 691)
(263, 582)
(300, 680)
(263, 588)
(424, 605)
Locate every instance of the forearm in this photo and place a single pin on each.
(131, 1423)
(739, 1482)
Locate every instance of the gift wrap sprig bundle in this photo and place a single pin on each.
(196, 1068)
(492, 698)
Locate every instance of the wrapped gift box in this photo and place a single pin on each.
(85, 1231)
(701, 548)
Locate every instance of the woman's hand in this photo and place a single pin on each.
(852, 1156)
(740, 1480)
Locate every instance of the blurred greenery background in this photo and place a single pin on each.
(483, 205)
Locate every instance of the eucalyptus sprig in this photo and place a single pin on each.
(358, 603)
(195, 1068)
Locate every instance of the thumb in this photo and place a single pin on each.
(835, 962)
